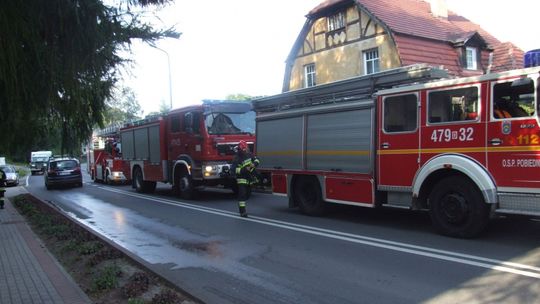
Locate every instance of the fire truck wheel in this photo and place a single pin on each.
(185, 186)
(308, 196)
(457, 208)
(138, 180)
(234, 188)
(141, 185)
(107, 179)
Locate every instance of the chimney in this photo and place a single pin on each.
(439, 8)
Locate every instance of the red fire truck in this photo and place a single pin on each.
(465, 149)
(105, 163)
(189, 147)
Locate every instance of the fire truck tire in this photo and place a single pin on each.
(457, 208)
(185, 185)
(234, 188)
(142, 186)
(307, 192)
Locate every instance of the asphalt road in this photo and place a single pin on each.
(277, 255)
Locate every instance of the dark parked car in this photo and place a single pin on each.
(63, 172)
(12, 176)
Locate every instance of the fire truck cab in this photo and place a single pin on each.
(465, 149)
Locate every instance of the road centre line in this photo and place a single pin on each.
(492, 264)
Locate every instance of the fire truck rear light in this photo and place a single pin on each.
(447, 166)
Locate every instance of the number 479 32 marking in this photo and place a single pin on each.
(447, 135)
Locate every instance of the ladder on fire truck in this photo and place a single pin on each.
(351, 89)
(110, 130)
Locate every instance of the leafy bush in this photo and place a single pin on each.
(107, 278)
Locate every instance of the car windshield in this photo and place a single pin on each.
(63, 165)
(7, 169)
(39, 159)
(230, 123)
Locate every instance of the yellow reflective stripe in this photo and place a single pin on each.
(241, 181)
(242, 204)
(316, 152)
(403, 151)
(460, 150)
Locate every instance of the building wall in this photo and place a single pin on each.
(339, 54)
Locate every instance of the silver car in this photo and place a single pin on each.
(12, 176)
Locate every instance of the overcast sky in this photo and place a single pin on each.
(240, 46)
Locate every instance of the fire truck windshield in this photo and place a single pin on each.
(223, 123)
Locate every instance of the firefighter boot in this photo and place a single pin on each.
(242, 209)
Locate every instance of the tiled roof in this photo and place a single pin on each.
(409, 20)
(507, 56)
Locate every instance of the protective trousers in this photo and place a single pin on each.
(244, 192)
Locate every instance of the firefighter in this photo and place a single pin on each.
(501, 110)
(244, 165)
(3, 178)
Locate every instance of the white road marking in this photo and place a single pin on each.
(478, 261)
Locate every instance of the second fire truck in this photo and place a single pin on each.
(105, 163)
(190, 147)
(465, 149)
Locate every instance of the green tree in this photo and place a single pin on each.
(238, 97)
(164, 107)
(59, 62)
(123, 106)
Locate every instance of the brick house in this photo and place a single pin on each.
(346, 38)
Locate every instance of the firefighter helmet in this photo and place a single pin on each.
(242, 145)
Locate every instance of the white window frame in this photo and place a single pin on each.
(471, 58)
(310, 74)
(371, 60)
(336, 21)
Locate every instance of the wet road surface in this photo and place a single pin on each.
(279, 256)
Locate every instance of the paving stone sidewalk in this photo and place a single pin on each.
(28, 272)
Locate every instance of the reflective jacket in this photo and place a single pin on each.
(243, 166)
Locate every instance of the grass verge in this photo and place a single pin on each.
(104, 273)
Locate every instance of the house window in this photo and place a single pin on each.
(309, 71)
(336, 22)
(371, 61)
(471, 57)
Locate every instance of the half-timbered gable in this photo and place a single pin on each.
(346, 38)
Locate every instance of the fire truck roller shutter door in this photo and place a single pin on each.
(472, 169)
(285, 152)
(340, 141)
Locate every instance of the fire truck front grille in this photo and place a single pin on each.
(514, 203)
